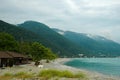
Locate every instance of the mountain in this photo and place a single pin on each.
(63, 43)
(20, 34)
(52, 39)
(32, 31)
(94, 44)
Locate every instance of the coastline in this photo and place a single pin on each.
(92, 75)
(57, 64)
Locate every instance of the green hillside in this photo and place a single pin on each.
(34, 31)
(96, 45)
(67, 44)
(20, 34)
(55, 41)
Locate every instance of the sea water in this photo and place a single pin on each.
(107, 66)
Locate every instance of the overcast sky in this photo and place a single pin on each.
(101, 17)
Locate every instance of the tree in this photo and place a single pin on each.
(7, 42)
(40, 52)
(25, 48)
(49, 55)
(35, 50)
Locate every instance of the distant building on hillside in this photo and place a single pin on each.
(81, 55)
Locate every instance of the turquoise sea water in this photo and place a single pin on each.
(107, 66)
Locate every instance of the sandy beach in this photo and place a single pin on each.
(56, 64)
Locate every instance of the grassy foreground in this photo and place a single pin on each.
(49, 74)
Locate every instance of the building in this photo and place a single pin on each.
(5, 59)
(11, 58)
(18, 58)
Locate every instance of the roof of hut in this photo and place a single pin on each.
(16, 55)
(4, 55)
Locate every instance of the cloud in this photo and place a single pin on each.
(73, 7)
(88, 16)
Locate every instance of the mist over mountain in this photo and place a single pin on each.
(95, 44)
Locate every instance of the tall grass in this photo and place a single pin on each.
(20, 75)
(6, 76)
(66, 74)
(50, 73)
(23, 75)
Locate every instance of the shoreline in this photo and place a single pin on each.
(93, 75)
(59, 65)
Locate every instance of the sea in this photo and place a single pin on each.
(107, 66)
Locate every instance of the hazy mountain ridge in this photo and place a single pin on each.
(48, 37)
(64, 43)
(20, 34)
(95, 44)
(55, 41)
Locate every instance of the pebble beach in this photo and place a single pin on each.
(56, 64)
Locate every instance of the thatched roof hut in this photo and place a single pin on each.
(16, 55)
(4, 55)
(11, 58)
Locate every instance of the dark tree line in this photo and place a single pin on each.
(35, 50)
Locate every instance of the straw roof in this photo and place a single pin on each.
(4, 55)
(11, 55)
(16, 55)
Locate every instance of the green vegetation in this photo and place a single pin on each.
(50, 73)
(20, 34)
(6, 76)
(93, 45)
(44, 75)
(19, 75)
(70, 44)
(58, 43)
(23, 75)
(38, 32)
(34, 49)
(7, 42)
(39, 52)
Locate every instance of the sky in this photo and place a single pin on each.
(98, 17)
